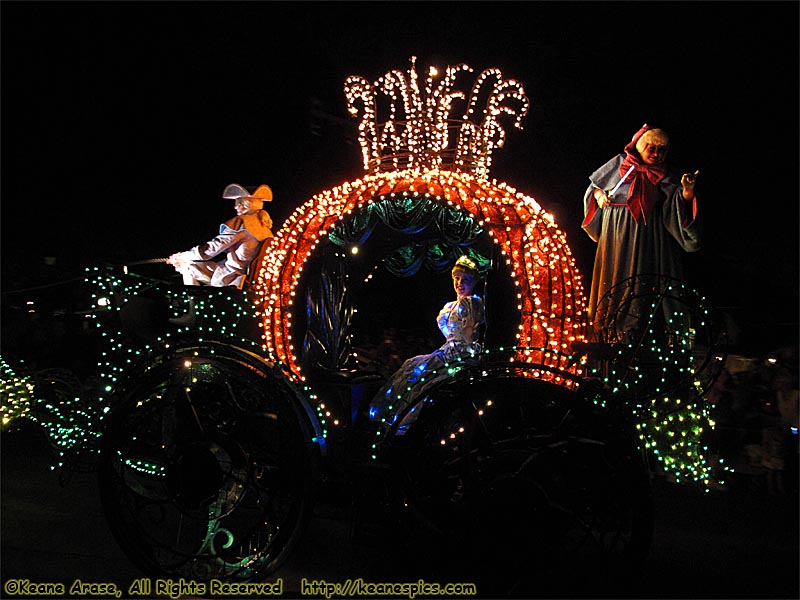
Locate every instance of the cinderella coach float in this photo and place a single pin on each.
(215, 440)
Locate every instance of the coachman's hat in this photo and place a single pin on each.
(235, 191)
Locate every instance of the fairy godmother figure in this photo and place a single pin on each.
(643, 215)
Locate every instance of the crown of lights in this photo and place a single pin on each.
(404, 126)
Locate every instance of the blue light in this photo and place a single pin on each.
(416, 373)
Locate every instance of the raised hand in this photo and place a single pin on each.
(687, 181)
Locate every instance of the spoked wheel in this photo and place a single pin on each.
(531, 492)
(665, 337)
(206, 470)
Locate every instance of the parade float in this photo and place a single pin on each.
(213, 441)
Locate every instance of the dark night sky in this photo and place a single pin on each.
(123, 121)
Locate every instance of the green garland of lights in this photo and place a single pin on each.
(670, 422)
(669, 427)
(71, 415)
(16, 394)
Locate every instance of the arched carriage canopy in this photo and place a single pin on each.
(549, 289)
(383, 272)
(438, 233)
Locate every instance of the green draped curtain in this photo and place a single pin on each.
(455, 232)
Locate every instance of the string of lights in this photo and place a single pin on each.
(418, 155)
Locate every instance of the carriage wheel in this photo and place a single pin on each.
(530, 491)
(205, 470)
(665, 337)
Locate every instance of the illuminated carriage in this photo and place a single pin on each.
(220, 435)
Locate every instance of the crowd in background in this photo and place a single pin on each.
(755, 404)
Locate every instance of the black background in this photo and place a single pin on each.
(123, 121)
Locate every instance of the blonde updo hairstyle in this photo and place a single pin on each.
(466, 265)
(652, 136)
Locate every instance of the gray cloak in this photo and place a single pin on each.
(626, 248)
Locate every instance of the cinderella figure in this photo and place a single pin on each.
(458, 321)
